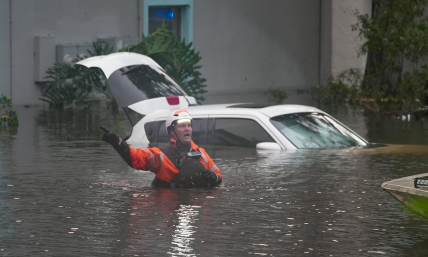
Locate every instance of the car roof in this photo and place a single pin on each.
(242, 109)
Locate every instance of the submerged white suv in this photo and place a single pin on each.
(249, 125)
(139, 83)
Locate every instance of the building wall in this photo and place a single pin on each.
(250, 46)
(5, 82)
(69, 22)
(345, 43)
(247, 46)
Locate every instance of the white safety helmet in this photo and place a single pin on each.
(174, 117)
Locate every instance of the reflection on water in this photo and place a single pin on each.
(62, 190)
(181, 239)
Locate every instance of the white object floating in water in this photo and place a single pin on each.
(376, 252)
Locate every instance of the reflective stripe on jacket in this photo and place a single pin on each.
(156, 161)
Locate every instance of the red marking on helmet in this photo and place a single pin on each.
(173, 100)
(180, 111)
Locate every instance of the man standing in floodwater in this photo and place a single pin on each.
(180, 164)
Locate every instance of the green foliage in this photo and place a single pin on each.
(339, 90)
(398, 28)
(412, 91)
(277, 96)
(179, 60)
(70, 85)
(396, 31)
(346, 89)
(413, 86)
(8, 118)
(100, 48)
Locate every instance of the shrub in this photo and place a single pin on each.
(277, 96)
(339, 90)
(72, 84)
(179, 60)
(8, 117)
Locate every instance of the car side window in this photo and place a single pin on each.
(156, 131)
(163, 136)
(197, 131)
(239, 132)
(151, 129)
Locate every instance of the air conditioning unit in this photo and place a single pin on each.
(119, 43)
(68, 54)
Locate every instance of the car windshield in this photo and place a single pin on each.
(315, 130)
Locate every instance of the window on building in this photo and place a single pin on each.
(176, 14)
(171, 16)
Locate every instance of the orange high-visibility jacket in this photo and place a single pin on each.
(156, 161)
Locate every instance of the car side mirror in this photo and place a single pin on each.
(268, 146)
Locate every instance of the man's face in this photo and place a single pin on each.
(183, 131)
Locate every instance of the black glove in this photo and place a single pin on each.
(120, 146)
(211, 176)
(110, 137)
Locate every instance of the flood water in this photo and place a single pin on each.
(64, 192)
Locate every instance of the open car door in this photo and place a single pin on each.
(139, 83)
